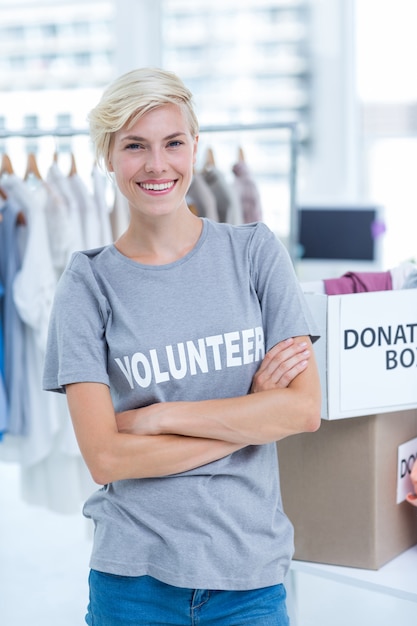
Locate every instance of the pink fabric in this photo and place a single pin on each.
(357, 282)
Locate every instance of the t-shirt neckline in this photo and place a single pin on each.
(165, 266)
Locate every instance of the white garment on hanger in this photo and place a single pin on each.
(103, 206)
(87, 208)
(33, 292)
(61, 186)
(120, 215)
(58, 224)
(53, 472)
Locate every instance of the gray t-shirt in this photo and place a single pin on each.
(190, 330)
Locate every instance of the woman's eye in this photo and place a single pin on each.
(133, 146)
(175, 144)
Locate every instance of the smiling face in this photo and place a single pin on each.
(153, 161)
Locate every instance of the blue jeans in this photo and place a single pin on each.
(145, 601)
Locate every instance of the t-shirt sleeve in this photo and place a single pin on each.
(284, 309)
(76, 347)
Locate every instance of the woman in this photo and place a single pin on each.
(159, 343)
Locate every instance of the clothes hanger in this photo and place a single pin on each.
(210, 160)
(73, 167)
(6, 165)
(32, 167)
(5, 169)
(3, 196)
(21, 219)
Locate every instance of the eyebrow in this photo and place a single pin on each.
(138, 138)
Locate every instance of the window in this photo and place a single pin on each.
(81, 28)
(82, 59)
(49, 30)
(15, 33)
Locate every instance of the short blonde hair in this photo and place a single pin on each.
(129, 97)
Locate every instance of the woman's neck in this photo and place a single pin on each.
(160, 241)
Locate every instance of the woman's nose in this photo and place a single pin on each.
(155, 161)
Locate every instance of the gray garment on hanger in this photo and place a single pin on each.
(202, 198)
(248, 193)
(228, 206)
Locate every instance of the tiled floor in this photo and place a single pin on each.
(44, 569)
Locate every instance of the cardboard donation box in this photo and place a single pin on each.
(343, 487)
(367, 352)
(340, 489)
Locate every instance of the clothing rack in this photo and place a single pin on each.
(32, 133)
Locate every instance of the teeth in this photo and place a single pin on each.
(157, 187)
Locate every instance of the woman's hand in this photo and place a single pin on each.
(412, 497)
(139, 421)
(281, 365)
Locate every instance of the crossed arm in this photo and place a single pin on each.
(172, 437)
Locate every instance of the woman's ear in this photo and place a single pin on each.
(196, 138)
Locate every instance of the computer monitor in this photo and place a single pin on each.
(349, 233)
